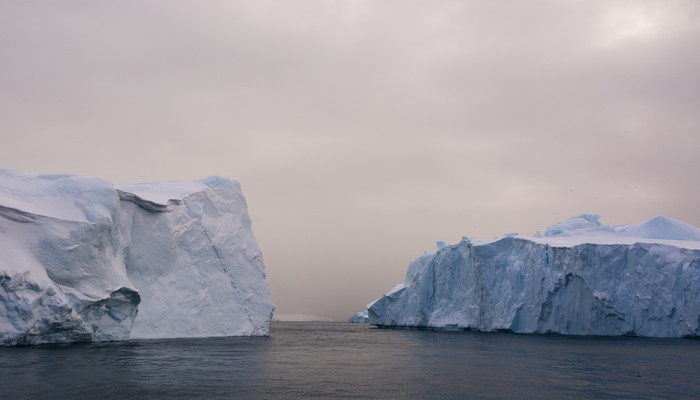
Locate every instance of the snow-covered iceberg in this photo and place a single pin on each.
(580, 278)
(81, 260)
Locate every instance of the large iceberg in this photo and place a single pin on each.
(580, 278)
(81, 260)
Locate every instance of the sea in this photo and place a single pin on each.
(333, 360)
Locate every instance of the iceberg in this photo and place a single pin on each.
(301, 318)
(359, 318)
(580, 278)
(82, 260)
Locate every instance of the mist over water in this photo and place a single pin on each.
(343, 361)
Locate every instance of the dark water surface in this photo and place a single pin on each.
(356, 361)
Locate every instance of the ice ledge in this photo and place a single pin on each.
(148, 204)
(161, 196)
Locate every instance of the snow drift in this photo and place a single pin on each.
(580, 278)
(81, 260)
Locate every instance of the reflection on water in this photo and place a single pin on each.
(339, 360)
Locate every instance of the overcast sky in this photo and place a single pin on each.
(364, 131)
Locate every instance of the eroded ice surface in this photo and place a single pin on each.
(581, 278)
(83, 261)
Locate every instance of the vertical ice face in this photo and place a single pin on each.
(582, 278)
(81, 261)
(195, 262)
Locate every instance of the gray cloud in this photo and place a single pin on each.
(364, 131)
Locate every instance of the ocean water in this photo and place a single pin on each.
(356, 361)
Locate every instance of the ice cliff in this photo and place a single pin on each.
(81, 260)
(580, 278)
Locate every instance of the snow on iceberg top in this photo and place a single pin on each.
(656, 228)
(587, 228)
(24, 197)
(162, 192)
(159, 196)
(163, 196)
(66, 197)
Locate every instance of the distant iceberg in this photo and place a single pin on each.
(81, 260)
(580, 278)
(301, 318)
